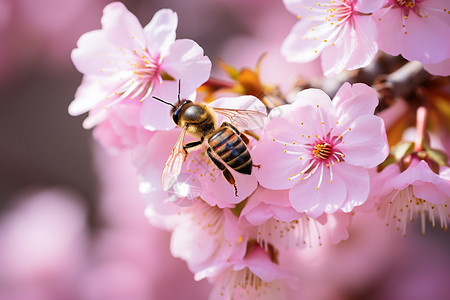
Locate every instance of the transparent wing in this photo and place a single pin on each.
(245, 119)
(172, 168)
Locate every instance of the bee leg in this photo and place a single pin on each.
(191, 145)
(230, 178)
(226, 173)
(257, 166)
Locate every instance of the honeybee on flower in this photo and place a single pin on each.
(225, 145)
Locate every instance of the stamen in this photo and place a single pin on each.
(290, 235)
(302, 171)
(139, 72)
(320, 177)
(401, 206)
(331, 172)
(311, 173)
(322, 121)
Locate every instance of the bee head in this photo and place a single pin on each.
(176, 110)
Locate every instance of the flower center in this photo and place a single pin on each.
(322, 151)
(146, 67)
(136, 73)
(407, 3)
(335, 13)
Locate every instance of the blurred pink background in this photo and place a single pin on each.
(72, 223)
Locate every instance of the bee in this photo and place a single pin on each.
(226, 146)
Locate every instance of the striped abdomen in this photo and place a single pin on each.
(228, 145)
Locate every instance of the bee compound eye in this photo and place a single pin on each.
(175, 117)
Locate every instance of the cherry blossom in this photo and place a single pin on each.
(341, 32)
(279, 224)
(415, 192)
(256, 276)
(321, 149)
(416, 29)
(207, 235)
(310, 206)
(125, 62)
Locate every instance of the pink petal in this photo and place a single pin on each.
(161, 212)
(196, 243)
(380, 182)
(418, 44)
(307, 9)
(265, 204)
(121, 129)
(431, 193)
(156, 115)
(129, 113)
(328, 198)
(150, 158)
(427, 39)
(271, 197)
(364, 43)
(352, 101)
(307, 108)
(259, 262)
(89, 56)
(305, 42)
(122, 27)
(234, 233)
(160, 32)
(387, 20)
(367, 6)
(255, 212)
(336, 57)
(212, 271)
(357, 184)
(222, 192)
(442, 68)
(418, 175)
(277, 162)
(338, 224)
(88, 95)
(185, 61)
(96, 115)
(313, 97)
(366, 143)
(285, 214)
(294, 6)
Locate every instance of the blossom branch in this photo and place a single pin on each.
(401, 83)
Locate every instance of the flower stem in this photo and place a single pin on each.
(420, 126)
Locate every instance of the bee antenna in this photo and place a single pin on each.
(161, 100)
(179, 89)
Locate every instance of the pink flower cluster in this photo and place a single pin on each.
(311, 161)
(346, 34)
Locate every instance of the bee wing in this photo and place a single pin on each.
(172, 168)
(245, 119)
